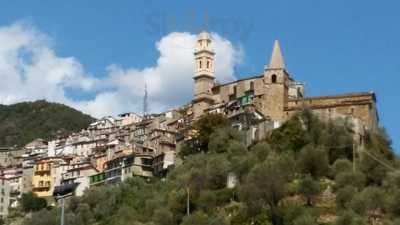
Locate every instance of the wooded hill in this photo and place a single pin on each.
(23, 122)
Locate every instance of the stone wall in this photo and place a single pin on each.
(360, 106)
(222, 93)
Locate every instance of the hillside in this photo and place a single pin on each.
(23, 122)
(304, 173)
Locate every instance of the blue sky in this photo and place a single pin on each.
(334, 46)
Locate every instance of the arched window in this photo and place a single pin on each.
(273, 78)
(251, 85)
(208, 64)
(200, 64)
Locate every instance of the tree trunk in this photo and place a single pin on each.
(309, 202)
(275, 216)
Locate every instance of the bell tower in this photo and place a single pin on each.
(203, 74)
(276, 79)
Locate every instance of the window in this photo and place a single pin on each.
(40, 183)
(299, 92)
(47, 183)
(200, 64)
(250, 91)
(251, 85)
(208, 64)
(233, 95)
(273, 78)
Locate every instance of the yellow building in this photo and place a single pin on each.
(42, 181)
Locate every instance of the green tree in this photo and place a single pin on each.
(292, 211)
(341, 166)
(373, 168)
(30, 202)
(305, 219)
(291, 136)
(344, 196)
(380, 143)
(370, 199)
(349, 218)
(392, 187)
(222, 140)
(265, 185)
(43, 217)
(356, 179)
(204, 128)
(336, 135)
(261, 150)
(314, 161)
(84, 214)
(200, 218)
(162, 216)
(309, 188)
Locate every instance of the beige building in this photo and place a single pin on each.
(273, 93)
(10, 189)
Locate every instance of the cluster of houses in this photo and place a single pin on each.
(110, 150)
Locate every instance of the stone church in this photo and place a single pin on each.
(273, 93)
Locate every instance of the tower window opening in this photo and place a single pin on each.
(200, 64)
(208, 64)
(299, 92)
(273, 78)
(251, 85)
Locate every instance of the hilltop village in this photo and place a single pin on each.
(112, 149)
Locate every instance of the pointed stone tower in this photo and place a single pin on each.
(276, 79)
(203, 74)
(276, 61)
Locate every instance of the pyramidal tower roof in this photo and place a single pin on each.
(276, 61)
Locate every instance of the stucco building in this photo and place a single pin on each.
(274, 93)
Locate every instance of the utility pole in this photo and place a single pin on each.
(188, 201)
(62, 192)
(62, 211)
(354, 158)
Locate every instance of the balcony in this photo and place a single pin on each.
(97, 179)
(68, 176)
(42, 187)
(42, 169)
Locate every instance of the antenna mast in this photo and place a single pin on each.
(145, 103)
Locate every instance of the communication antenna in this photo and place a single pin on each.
(145, 103)
(205, 21)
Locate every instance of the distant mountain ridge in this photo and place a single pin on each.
(23, 122)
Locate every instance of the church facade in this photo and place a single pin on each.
(273, 93)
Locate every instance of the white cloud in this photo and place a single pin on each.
(30, 70)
